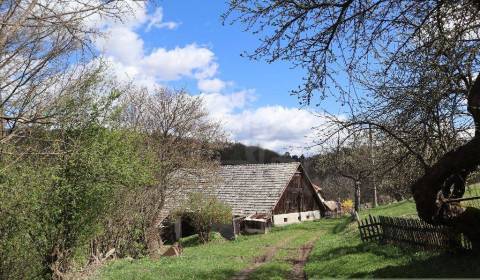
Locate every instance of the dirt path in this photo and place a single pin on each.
(298, 272)
(258, 261)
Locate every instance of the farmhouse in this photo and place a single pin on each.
(260, 195)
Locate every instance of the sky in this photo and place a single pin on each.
(184, 45)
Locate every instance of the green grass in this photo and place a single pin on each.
(343, 255)
(404, 208)
(217, 260)
(338, 253)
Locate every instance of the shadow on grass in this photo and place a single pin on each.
(412, 264)
(341, 226)
(441, 266)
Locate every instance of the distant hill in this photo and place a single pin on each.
(238, 153)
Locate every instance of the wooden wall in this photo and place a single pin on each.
(299, 196)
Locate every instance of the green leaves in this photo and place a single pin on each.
(53, 203)
(205, 211)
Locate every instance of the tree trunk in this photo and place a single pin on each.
(372, 159)
(153, 238)
(153, 241)
(431, 201)
(357, 196)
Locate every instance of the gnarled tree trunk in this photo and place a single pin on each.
(431, 192)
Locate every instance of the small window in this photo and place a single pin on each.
(285, 220)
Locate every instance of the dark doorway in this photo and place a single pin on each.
(187, 226)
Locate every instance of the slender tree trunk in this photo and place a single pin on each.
(2, 121)
(357, 196)
(431, 202)
(372, 159)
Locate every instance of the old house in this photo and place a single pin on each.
(260, 195)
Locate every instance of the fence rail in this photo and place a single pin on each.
(412, 231)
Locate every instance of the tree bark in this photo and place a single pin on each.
(153, 241)
(153, 237)
(430, 200)
(357, 196)
(372, 159)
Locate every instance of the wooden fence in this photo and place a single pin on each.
(370, 229)
(411, 231)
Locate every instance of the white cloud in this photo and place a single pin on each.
(211, 85)
(277, 128)
(274, 127)
(188, 61)
(124, 49)
(156, 20)
(221, 106)
(122, 45)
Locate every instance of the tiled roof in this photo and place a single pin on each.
(248, 189)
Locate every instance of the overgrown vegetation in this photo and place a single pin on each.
(58, 184)
(204, 212)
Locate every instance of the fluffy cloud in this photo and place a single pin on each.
(274, 127)
(188, 61)
(277, 128)
(211, 85)
(124, 49)
(122, 45)
(221, 106)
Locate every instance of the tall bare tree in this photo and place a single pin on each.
(180, 136)
(387, 38)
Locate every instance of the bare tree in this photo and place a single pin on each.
(45, 48)
(350, 161)
(387, 38)
(180, 136)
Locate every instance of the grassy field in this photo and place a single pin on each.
(337, 252)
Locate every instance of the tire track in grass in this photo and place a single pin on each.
(298, 272)
(260, 260)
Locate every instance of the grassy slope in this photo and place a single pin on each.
(341, 254)
(338, 252)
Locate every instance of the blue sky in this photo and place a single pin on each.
(201, 23)
(183, 44)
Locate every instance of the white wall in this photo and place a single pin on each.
(178, 228)
(292, 218)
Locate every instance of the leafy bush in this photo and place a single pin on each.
(205, 211)
(54, 199)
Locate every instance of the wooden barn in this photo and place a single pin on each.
(260, 195)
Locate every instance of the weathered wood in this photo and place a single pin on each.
(411, 231)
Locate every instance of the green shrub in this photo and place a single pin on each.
(205, 211)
